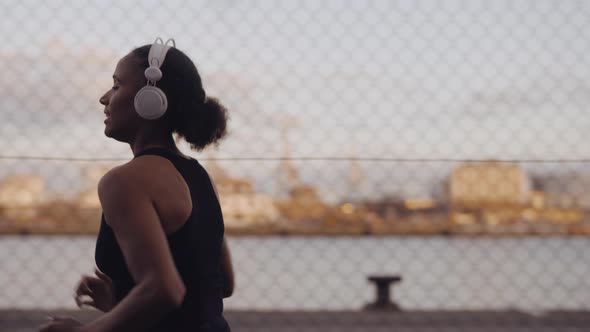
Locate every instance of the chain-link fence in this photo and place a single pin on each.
(443, 142)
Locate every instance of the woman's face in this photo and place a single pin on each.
(122, 121)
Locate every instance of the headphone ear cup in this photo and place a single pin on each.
(150, 102)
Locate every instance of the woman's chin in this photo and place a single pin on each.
(108, 131)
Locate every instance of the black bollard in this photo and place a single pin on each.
(383, 300)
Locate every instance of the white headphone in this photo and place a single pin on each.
(150, 101)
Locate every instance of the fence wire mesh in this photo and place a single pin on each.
(442, 142)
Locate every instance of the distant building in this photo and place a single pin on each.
(567, 190)
(303, 203)
(92, 175)
(20, 196)
(500, 195)
(489, 184)
(21, 190)
(242, 205)
(387, 209)
(398, 209)
(88, 198)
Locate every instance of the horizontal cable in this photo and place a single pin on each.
(313, 158)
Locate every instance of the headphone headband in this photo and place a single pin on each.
(158, 51)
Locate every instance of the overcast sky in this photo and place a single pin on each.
(388, 79)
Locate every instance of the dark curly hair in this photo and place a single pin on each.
(199, 119)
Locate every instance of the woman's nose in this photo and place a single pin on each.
(104, 99)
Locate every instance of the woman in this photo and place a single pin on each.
(163, 264)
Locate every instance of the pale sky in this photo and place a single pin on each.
(387, 79)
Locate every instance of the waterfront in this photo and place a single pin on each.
(329, 273)
(482, 199)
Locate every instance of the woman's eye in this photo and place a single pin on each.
(115, 87)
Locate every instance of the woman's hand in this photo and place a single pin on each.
(99, 289)
(61, 324)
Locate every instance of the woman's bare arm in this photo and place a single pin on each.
(159, 288)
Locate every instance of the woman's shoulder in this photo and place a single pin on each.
(147, 172)
(127, 175)
(118, 179)
(123, 183)
(137, 168)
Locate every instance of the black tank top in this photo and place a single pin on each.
(196, 249)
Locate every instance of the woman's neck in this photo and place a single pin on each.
(165, 142)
